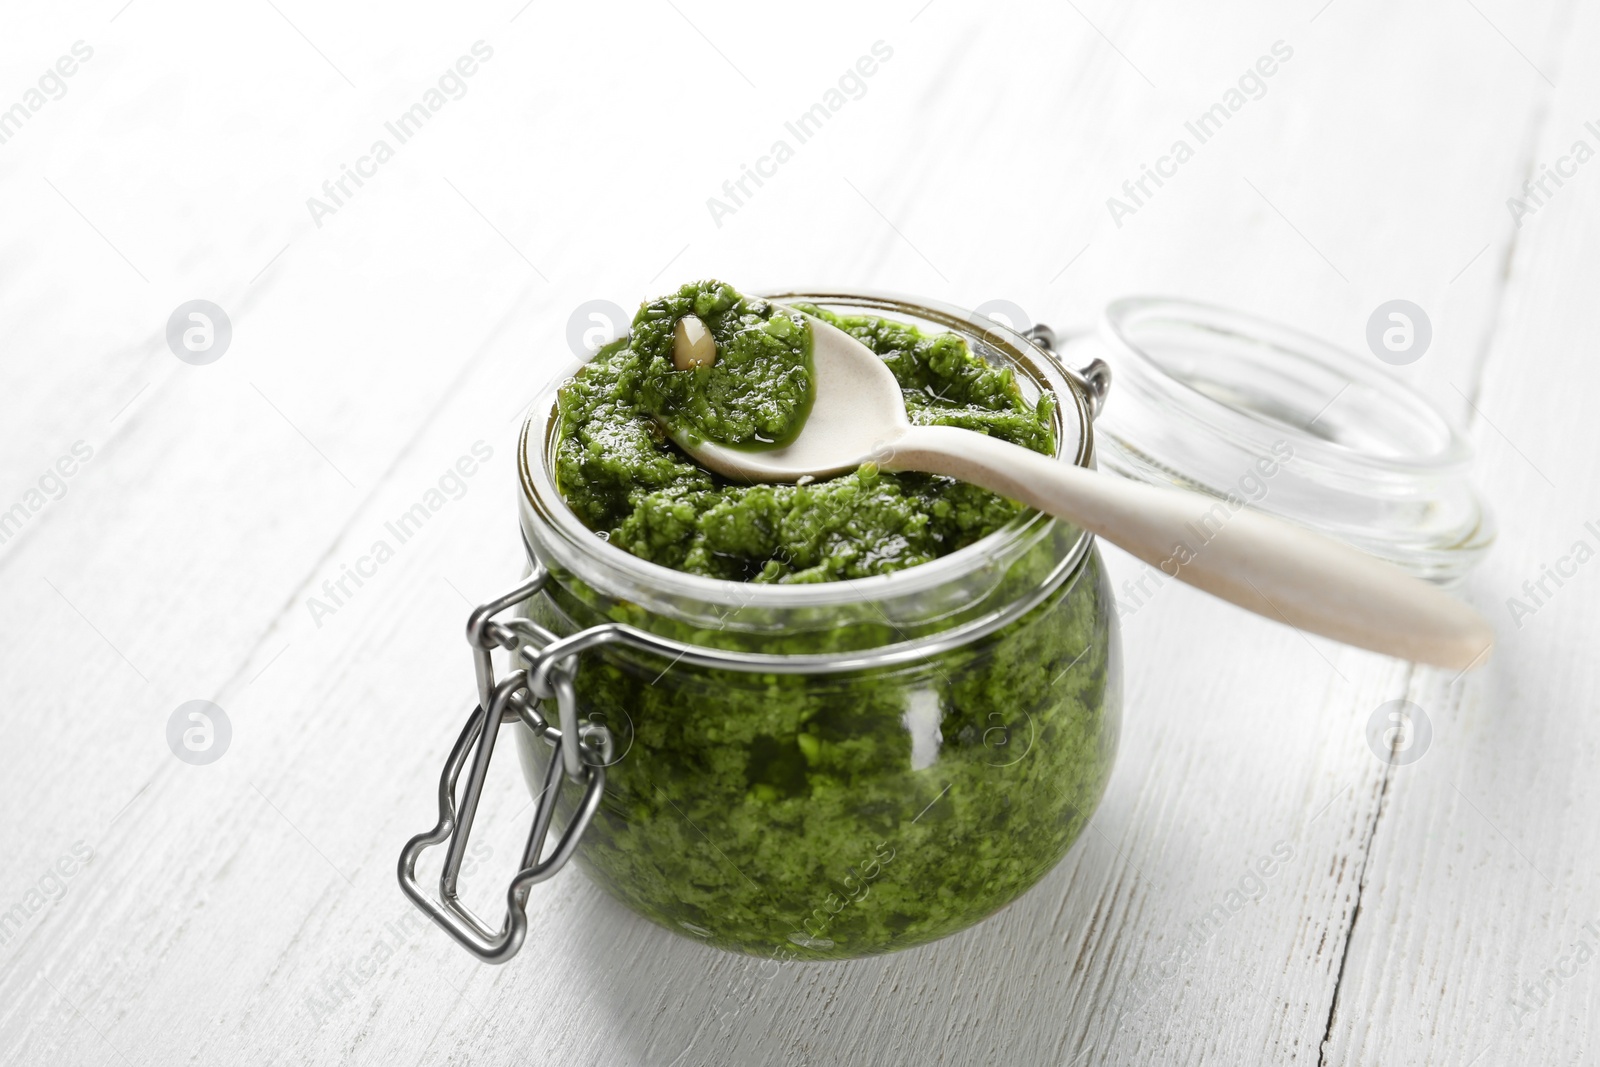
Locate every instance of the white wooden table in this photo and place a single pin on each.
(245, 911)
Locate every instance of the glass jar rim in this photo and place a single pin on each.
(614, 572)
(1203, 390)
(1123, 316)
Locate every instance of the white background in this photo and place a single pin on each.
(372, 351)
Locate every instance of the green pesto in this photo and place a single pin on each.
(758, 391)
(831, 815)
(788, 816)
(620, 474)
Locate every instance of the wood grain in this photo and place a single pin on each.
(246, 912)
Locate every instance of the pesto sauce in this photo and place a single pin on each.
(814, 817)
(623, 477)
(827, 815)
(760, 388)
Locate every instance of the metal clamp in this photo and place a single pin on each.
(548, 674)
(516, 697)
(1094, 374)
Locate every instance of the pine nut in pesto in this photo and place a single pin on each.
(753, 387)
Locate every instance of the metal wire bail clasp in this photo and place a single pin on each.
(1093, 373)
(509, 699)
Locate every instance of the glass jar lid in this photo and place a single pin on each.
(1257, 413)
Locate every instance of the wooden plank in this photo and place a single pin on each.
(1483, 870)
(225, 905)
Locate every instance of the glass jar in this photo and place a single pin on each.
(1205, 393)
(846, 768)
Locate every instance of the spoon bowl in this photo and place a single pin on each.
(857, 412)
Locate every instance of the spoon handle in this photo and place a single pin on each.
(1265, 565)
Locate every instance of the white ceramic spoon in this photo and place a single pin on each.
(1268, 566)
